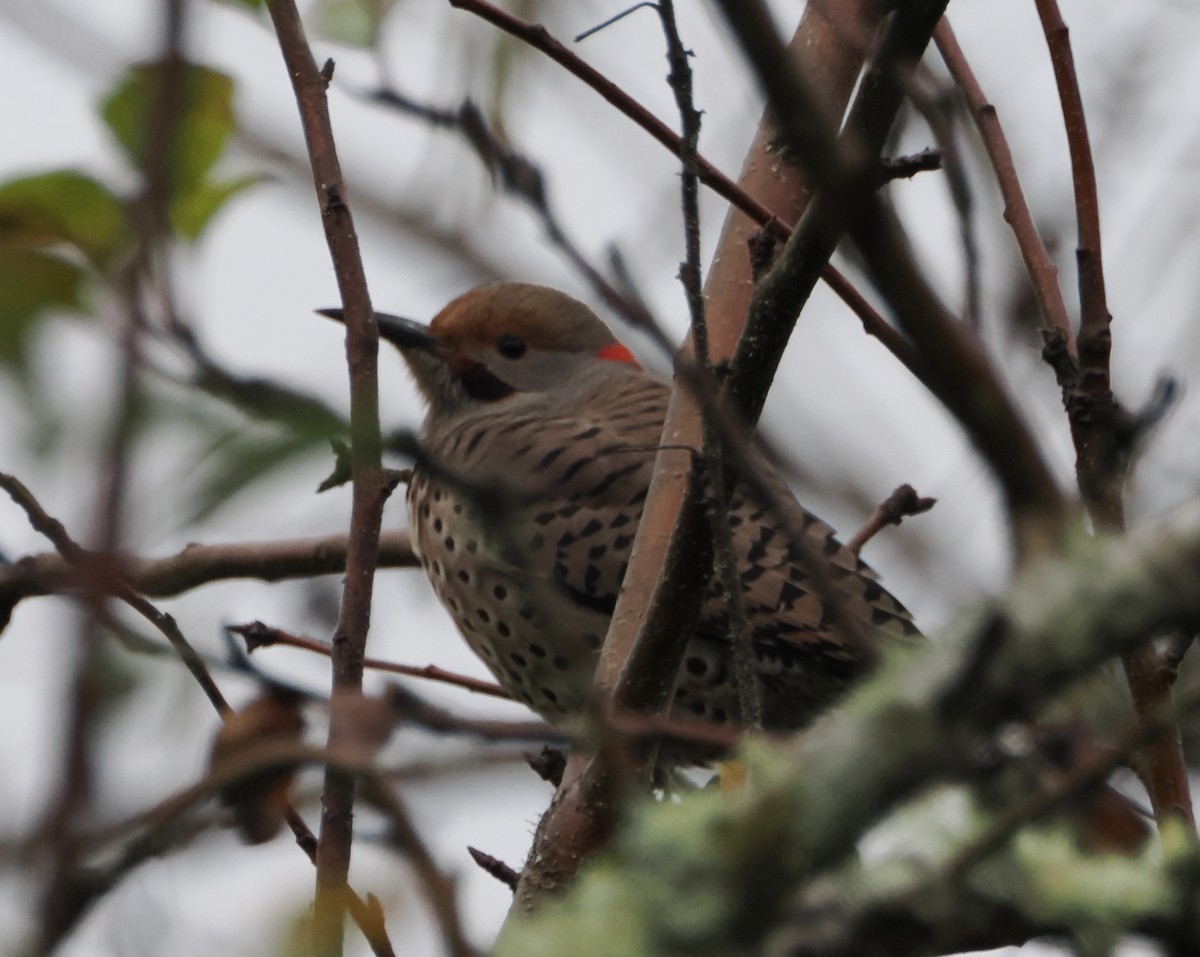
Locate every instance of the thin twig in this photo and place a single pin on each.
(936, 106)
(725, 567)
(522, 177)
(100, 575)
(904, 501)
(368, 495)
(1038, 263)
(506, 875)
(258, 635)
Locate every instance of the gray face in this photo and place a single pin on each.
(502, 341)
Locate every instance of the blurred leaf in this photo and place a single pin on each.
(33, 283)
(202, 124)
(250, 4)
(353, 22)
(243, 460)
(268, 401)
(193, 211)
(64, 206)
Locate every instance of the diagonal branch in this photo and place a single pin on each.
(1039, 265)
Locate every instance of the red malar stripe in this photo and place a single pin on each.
(616, 352)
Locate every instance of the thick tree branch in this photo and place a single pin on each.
(672, 552)
(958, 371)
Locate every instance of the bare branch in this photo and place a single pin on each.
(904, 501)
(1039, 265)
(362, 347)
(257, 635)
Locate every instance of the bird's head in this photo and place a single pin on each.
(501, 341)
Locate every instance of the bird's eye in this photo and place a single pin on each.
(511, 347)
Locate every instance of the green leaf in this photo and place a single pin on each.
(250, 4)
(353, 22)
(201, 122)
(64, 206)
(31, 283)
(192, 211)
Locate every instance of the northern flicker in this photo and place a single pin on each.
(531, 395)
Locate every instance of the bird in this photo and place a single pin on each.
(537, 451)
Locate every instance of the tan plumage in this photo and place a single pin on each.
(530, 393)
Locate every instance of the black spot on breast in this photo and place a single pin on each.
(517, 659)
(475, 440)
(537, 650)
(586, 434)
(548, 459)
(560, 663)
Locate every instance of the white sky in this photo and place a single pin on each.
(842, 408)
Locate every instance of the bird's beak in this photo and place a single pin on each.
(403, 333)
